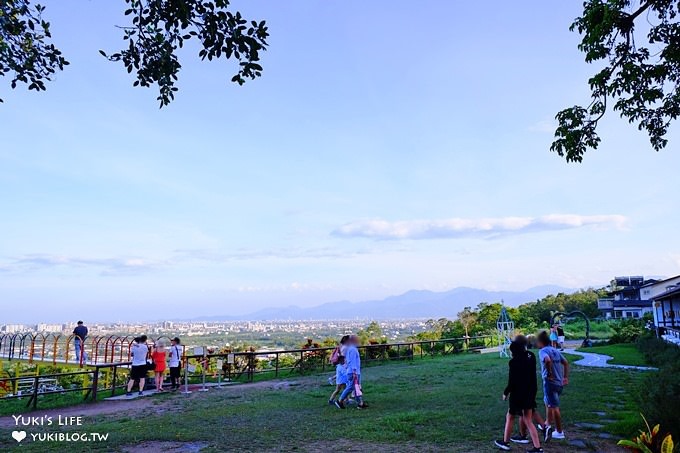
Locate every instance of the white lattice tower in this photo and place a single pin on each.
(506, 329)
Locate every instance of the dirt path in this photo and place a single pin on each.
(138, 404)
(82, 410)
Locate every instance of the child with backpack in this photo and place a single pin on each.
(340, 379)
(338, 352)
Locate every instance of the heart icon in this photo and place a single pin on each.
(19, 435)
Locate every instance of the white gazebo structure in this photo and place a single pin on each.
(506, 329)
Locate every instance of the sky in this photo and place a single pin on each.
(388, 146)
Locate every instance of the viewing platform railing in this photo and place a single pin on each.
(204, 369)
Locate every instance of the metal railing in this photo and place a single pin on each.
(88, 382)
(61, 349)
(245, 366)
(208, 368)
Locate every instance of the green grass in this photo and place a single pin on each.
(442, 404)
(599, 330)
(623, 354)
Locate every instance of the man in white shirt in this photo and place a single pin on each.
(139, 352)
(175, 363)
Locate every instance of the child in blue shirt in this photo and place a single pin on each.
(340, 379)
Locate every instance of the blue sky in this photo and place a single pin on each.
(387, 147)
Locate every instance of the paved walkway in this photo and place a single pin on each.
(600, 361)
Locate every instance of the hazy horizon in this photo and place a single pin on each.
(92, 318)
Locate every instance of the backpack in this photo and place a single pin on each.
(335, 356)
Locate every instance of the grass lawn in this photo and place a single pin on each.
(447, 404)
(623, 354)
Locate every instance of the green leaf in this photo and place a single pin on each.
(627, 443)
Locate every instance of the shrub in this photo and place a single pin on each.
(650, 441)
(627, 331)
(657, 352)
(660, 398)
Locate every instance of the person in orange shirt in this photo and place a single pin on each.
(160, 358)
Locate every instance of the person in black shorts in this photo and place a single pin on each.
(139, 352)
(521, 393)
(541, 423)
(175, 362)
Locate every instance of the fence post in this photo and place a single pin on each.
(95, 383)
(251, 366)
(36, 382)
(113, 380)
(276, 373)
(218, 367)
(186, 377)
(204, 365)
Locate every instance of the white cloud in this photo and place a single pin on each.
(256, 254)
(485, 228)
(108, 266)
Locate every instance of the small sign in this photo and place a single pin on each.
(230, 359)
(191, 368)
(220, 362)
(198, 350)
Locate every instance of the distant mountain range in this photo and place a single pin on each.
(412, 304)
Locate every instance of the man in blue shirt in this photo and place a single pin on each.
(80, 333)
(555, 373)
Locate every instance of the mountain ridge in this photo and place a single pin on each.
(410, 304)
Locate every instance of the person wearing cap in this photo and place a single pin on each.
(79, 335)
(175, 363)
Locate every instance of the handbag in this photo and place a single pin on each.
(357, 387)
(178, 355)
(150, 364)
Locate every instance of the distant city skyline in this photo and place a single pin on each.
(386, 148)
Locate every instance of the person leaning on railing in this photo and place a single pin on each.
(80, 333)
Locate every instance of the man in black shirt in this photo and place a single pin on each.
(80, 333)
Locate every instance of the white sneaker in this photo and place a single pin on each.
(558, 435)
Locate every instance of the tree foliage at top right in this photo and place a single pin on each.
(640, 76)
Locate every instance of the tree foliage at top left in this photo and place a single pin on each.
(153, 37)
(27, 53)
